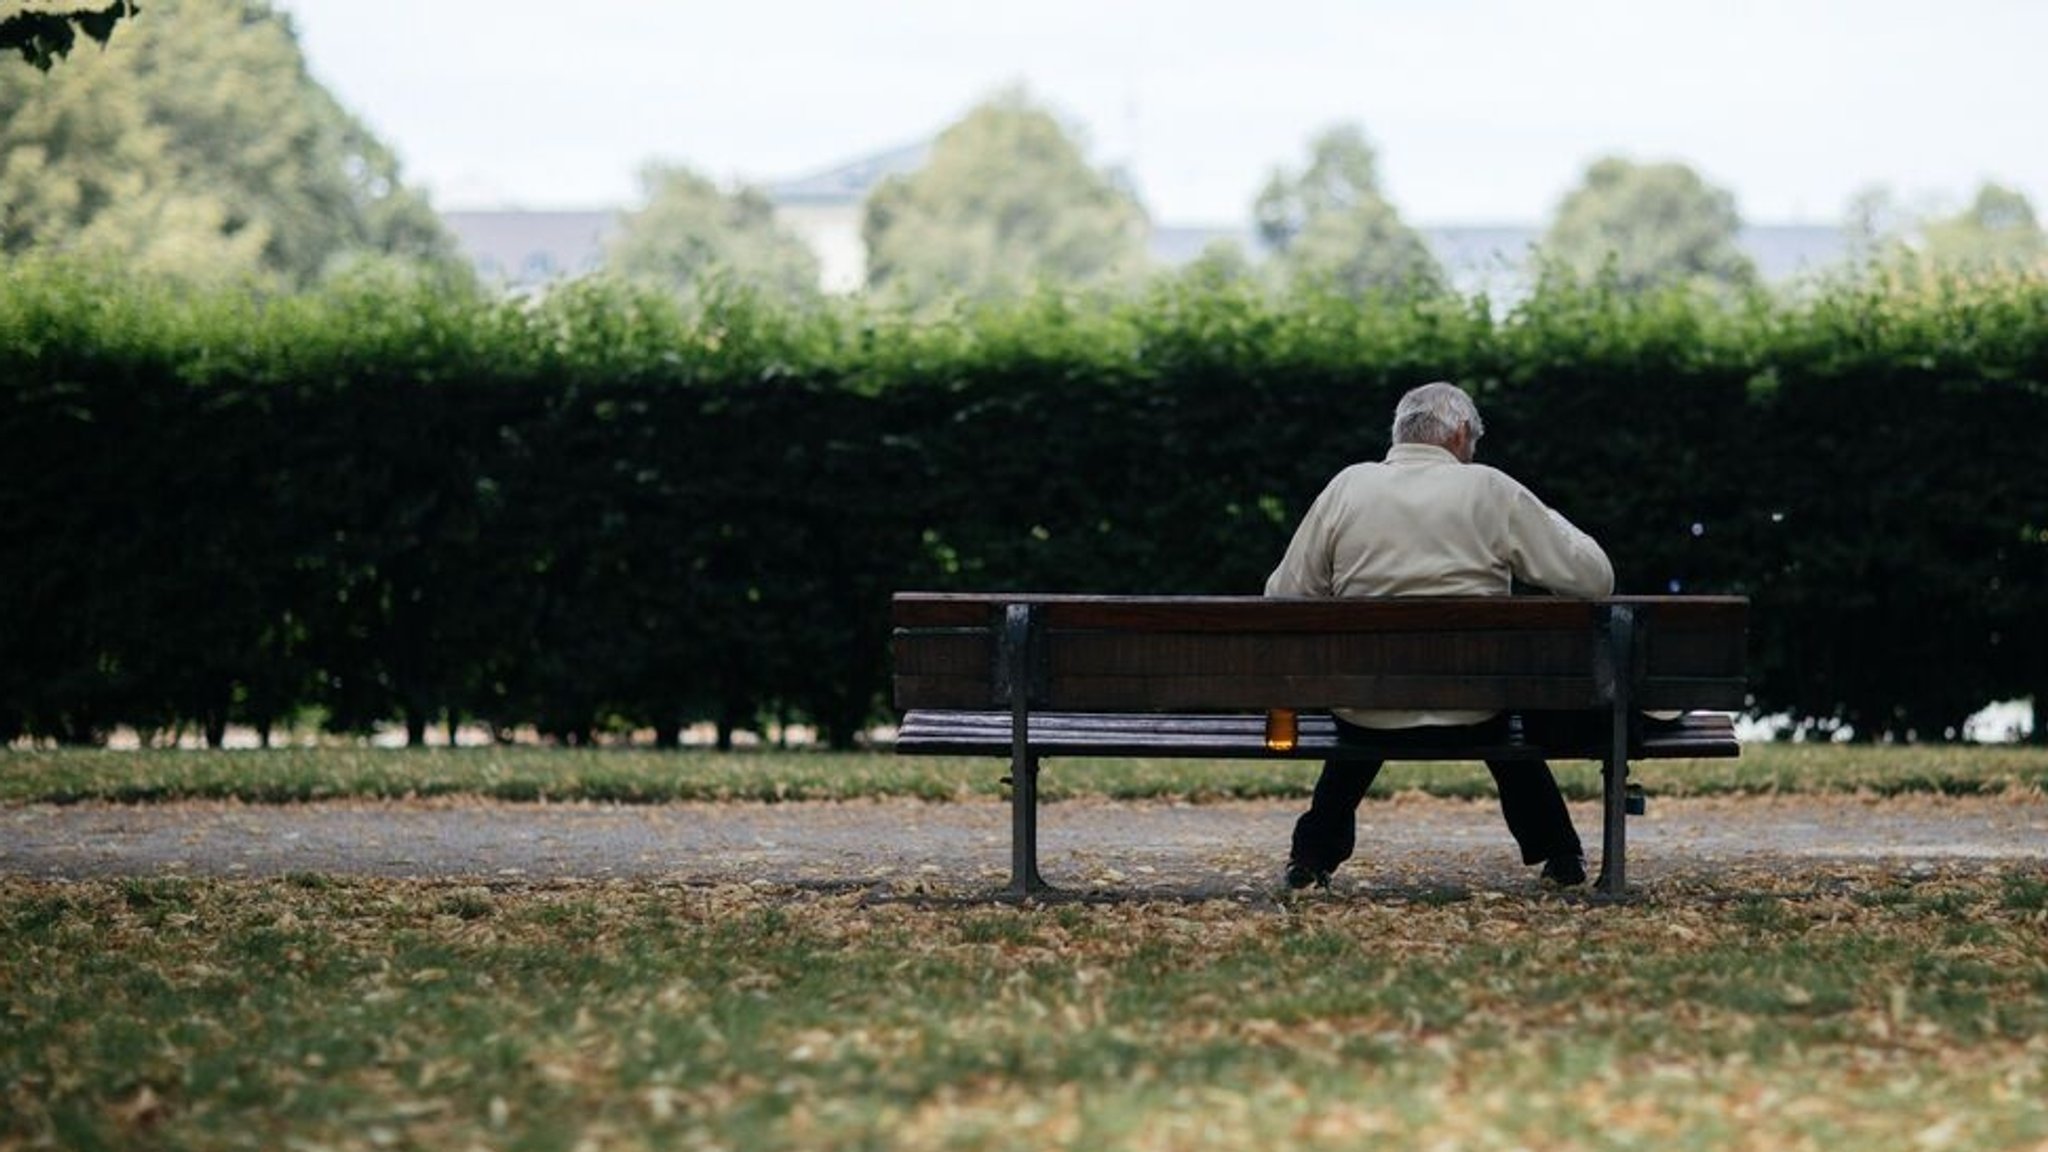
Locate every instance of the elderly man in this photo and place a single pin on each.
(1427, 521)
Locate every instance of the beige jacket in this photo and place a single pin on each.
(1421, 523)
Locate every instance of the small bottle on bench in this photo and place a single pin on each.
(1282, 729)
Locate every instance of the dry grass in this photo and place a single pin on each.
(1853, 1007)
(638, 776)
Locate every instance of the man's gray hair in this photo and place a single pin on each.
(1433, 413)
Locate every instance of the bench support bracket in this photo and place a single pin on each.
(1016, 660)
(1621, 643)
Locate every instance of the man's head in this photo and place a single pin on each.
(1439, 414)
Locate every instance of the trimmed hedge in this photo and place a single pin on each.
(391, 500)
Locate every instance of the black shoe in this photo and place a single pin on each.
(1300, 876)
(1565, 871)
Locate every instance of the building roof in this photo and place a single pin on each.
(850, 183)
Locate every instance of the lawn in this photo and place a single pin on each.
(1848, 1009)
(635, 776)
(1826, 1006)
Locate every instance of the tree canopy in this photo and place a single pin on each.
(1332, 224)
(1997, 228)
(1007, 199)
(42, 36)
(198, 144)
(1651, 224)
(688, 228)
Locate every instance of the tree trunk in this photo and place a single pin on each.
(79, 732)
(668, 734)
(415, 728)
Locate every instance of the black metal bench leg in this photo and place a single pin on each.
(1621, 636)
(1614, 826)
(1024, 878)
(1015, 672)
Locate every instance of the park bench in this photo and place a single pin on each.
(1032, 676)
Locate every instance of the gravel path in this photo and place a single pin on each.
(1407, 842)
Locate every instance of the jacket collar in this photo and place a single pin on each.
(1420, 454)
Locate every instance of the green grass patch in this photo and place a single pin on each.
(1843, 1010)
(643, 776)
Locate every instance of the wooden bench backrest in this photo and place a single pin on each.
(1196, 653)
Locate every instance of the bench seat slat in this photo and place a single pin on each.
(1700, 735)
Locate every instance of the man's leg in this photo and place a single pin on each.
(1538, 819)
(1327, 833)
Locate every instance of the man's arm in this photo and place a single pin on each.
(1305, 568)
(1549, 551)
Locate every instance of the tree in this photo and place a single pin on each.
(1997, 229)
(1219, 263)
(1331, 224)
(689, 227)
(1007, 199)
(198, 143)
(1655, 224)
(43, 37)
(1874, 225)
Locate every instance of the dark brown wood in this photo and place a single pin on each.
(1321, 690)
(1244, 613)
(1232, 613)
(1319, 616)
(943, 653)
(1192, 652)
(1110, 653)
(942, 610)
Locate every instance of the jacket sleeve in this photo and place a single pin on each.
(1549, 551)
(1305, 569)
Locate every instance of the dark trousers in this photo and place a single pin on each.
(1327, 834)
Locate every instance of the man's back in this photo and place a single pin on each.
(1422, 523)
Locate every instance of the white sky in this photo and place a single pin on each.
(1484, 111)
